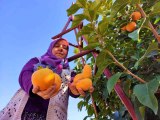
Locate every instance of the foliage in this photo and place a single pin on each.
(122, 52)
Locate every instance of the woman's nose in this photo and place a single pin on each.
(60, 47)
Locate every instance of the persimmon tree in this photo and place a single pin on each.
(131, 56)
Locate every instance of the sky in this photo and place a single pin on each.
(26, 28)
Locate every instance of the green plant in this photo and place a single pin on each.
(132, 58)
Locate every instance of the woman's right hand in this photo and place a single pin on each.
(45, 94)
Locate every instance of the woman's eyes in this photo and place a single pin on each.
(62, 46)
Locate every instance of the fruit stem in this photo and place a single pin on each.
(125, 69)
(157, 36)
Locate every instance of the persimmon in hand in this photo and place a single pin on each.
(83, 80)
(44, 78)
(87, 71)
(84, 84)
(57, 82)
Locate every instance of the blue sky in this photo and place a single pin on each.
(26, 28)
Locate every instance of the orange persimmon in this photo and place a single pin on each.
(123, 28)
(84, 84)
(57, 82)
(82, 80)
(131, 26)
(78, 77)
(136, 15)
(87, 71)
(43, 78)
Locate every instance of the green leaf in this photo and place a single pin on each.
(134, 35)
(112, 81)
(152, 47)
(101, 68)
(102, 61)
(105, 91)
(80, 105)
(81, 3)
(76, 51)
(157, 20)
(86, 117)
(142, 111)
(152, 53)
(85, 30)
(103, 25)
(136, 1)
(73, 9)
(93, 7)
(139, 108)
(89, 14)
(92, 14)
(88, 56)
(145, 94)
(77, 19)
(155, 9)
(75, 23)
(145, 25)
(117, 6)
(90, 110)
(91, 46)
(127, 86)
(158, 78)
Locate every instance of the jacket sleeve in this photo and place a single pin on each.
(25, 75)
(73, 74)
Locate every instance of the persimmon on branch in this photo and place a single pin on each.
(123, 67)
(157, 36)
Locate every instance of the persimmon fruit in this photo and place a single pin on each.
(57, 82)
(83, 80)
(123, 28)
(131, 26)
(78, 77)
(44, 78)
(84, 84)
(136, 15)
(87, 71)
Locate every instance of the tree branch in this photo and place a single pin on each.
(157, 36)
(126, 70)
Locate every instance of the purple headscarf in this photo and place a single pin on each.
(56, 63)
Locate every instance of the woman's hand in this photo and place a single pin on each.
(79, 91)
(45, 94)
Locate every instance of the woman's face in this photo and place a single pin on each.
(60, 49)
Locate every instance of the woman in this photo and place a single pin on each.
(30, 103)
